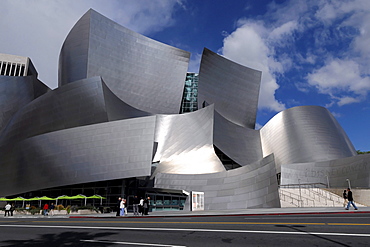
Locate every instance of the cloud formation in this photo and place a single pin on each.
(39, 32)
(325, 43)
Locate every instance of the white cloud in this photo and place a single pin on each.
(347, 100)
(247, 46)
(39, 31)
(339, 78)
(283, 31)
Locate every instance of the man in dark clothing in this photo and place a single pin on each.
(350, 200)
(136, 205)
(118, 205)
(146, 206)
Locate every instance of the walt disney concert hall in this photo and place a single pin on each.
(115, 127)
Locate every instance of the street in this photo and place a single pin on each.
(264, 230)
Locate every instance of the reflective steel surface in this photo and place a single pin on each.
(233, 88)
(245, 187)
(142, 72)
(185, 143)
(336, 172)
(115, 116)
(305, 134)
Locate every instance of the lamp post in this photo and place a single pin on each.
(300, 193)
(349, 183)
(327, 181)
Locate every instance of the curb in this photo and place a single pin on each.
(216, 215)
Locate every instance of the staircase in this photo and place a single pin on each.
(310, 197)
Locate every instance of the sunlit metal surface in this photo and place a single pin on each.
(113, 150)
(305, 134)
(115, 116)
(336, 172)
(185, 143)
(245, 187)
(144, 73)
(233, 88)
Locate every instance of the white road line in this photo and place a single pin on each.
(131, 243)
(191, 230)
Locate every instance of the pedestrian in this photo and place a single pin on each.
(125, 202)
(136, 205)
(118, 207)
(350, 200)
(146, 206)
(52, 207)
(122, 207)
(7, 209)
(46, 209)
(345, 202)
(141, 204)
(12, 208)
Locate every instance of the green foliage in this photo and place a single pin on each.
(59, 207)
(363, 152)
(68, 208)
(34, 210)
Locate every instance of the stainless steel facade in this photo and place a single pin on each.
(305, 134)
(332, 172)
(252, 186)
(185, 143)
(139, 70)
(233, 88)
(115, 116)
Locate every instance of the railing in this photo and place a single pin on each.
(312, 195)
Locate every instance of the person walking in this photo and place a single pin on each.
(345, 202)
(125, 202)
(122, 207)
(12, 208)
(141, 204)
(52, 207)
(7, 209)
(118, 207)
(146, 206)
(350, 200)
(136, 205)
(46, 209)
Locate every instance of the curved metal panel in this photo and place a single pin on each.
(15, 93)
(245, 187)
(185, 143)
(305, 134)
(233, 88)
(117, 109)
(139, 70)
(336, 172)
(243, 145)
(76, 104)
(114, 150)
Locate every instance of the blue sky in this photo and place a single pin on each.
(313, 52)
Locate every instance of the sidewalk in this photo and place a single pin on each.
(242, 212)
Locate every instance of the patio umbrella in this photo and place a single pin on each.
(19, 199)
(3, 199)
(45, 198)
(62, 197)
(96, 197)
(79, 197)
